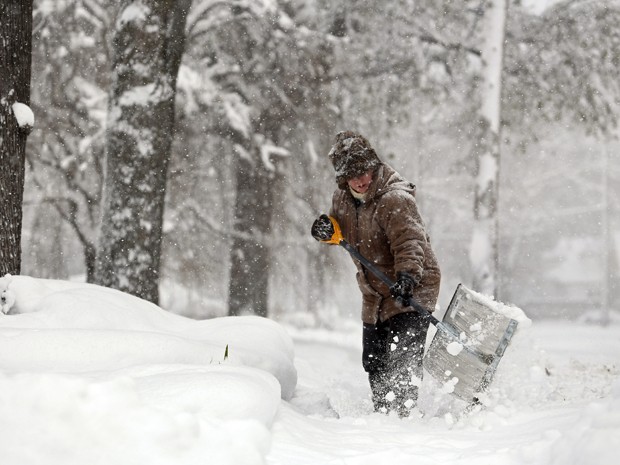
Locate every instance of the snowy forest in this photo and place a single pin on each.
(178, 149)
(162, 298)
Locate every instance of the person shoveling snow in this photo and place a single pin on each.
(380, 218)
(399, 278)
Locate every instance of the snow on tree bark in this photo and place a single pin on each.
(15, 70)
(148, 46)
(484, 245)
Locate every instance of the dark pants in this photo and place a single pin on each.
(392, 357)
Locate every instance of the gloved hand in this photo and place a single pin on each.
(322, 228)
(402, 289)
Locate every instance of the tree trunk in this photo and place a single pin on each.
(250, 254)
(15, 70)
(148, 46)
(609, 284)
(484, 246)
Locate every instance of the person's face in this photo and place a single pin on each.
(361, 183)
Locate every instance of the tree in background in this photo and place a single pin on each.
(562, 66)
(269, 69)
(251, 87)
(71, 61)
(484, 249)
(560, 85)
(15, 124)
(148, 46)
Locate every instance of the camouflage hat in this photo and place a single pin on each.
(352, 156)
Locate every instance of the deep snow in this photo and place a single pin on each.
(92, 375)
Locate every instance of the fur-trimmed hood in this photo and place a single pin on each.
(352, 155)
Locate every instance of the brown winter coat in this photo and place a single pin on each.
(387, 229)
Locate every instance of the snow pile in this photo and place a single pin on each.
(23, 115)
(92, 373)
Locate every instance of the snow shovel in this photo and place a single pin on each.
(469, 342)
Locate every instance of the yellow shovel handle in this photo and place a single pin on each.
(337, 236)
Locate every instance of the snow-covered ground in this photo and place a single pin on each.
(91, 375)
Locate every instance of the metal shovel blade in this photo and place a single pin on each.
(467, 373)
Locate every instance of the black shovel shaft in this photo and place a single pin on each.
(387, 281)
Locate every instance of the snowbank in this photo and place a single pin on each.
(85, 369)
(91, 375)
